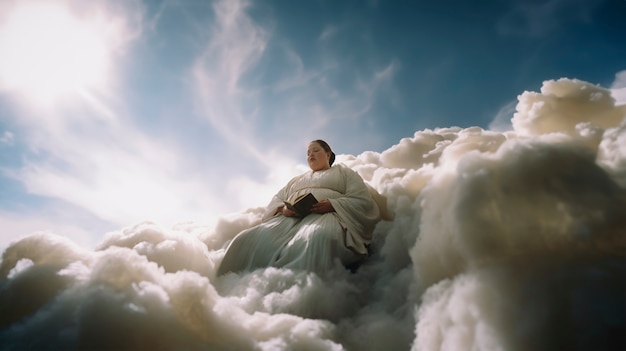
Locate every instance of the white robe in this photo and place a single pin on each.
(317, 241)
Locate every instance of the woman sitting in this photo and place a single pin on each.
(338, 228)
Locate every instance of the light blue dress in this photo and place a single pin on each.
(316, 242)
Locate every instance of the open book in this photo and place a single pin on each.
(302, 205)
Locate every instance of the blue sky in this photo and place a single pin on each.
(113, 112)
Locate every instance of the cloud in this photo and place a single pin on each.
(612, 153)
(236, 45)
(501, 241)
(96, 177)
(502, 121)
(565, 105)
(618, 88)
(106, 162)
(328, 32)
(254, 85)
(7, 138)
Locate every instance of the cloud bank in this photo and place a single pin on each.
(502, 240)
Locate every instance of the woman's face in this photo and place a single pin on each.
(317, 158)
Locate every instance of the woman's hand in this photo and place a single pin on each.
(287, 212)
(323, 206)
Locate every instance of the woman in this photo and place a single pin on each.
(338, 228)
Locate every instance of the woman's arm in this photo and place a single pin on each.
(357, 211)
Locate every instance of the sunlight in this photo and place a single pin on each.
(47, 52)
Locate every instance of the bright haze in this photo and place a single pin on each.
(138, 137)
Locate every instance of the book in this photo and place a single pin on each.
(302, 204)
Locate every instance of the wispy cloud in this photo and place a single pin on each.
(328, 32)
(542, 18)
(271, 116)
(235, 45)
(254, 87)
(7, 138)
(502, 121)
(380, 83)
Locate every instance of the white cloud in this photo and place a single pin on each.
(612, 153)
(618, 88)
(501, 241)
(563, 104)
(620, 80)
(453, 316)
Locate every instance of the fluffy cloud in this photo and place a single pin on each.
(618, 88)
(501, 241)
(565, 105)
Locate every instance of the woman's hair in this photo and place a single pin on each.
(326, 148)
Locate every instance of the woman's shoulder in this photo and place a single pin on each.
(346, 171)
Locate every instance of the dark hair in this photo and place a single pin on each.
(326, 148)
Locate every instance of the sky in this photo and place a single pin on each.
(138, 138)
(114, 112)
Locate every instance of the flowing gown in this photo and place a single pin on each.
(316, 242)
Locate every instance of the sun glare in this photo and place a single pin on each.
(46, 52)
